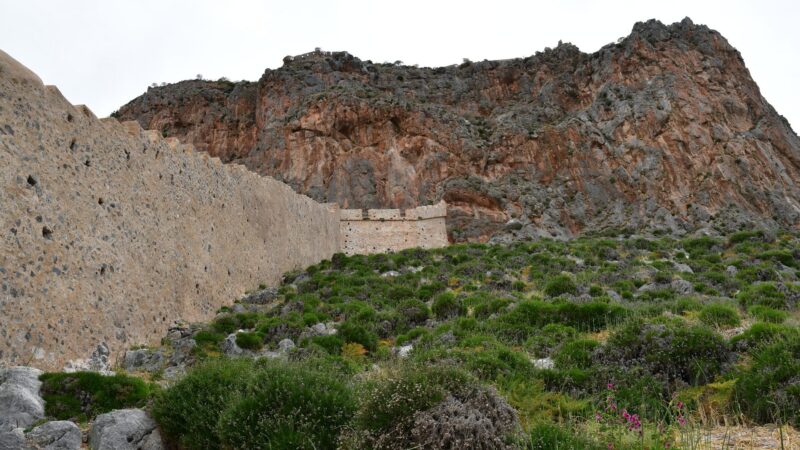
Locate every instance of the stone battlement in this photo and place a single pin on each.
(383, 230)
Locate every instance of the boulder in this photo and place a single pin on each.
(261, 297)
(20, 403)
(143, 360)
(230, 347)
(286, 345)
(12, 439)
(56, 435)
(125, 429)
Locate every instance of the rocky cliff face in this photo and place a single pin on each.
(664, 130)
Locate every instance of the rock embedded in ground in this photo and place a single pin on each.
(55, 435)
(261, 297)
(143, 360)
(20, 403)
(125, 429)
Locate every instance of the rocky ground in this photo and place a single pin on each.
(664, 130)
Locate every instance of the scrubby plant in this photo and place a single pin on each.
(575, 354)
(81, 396)
(768, 390)
(719, 315)
(250, 341)
(559, 285)
(287, 407)
(765, 294)
(552, 335)
(447, 305)
(414, 312)
(670, 350)
(189, 411)
(767, 314)
(359, 334)
(431, 407)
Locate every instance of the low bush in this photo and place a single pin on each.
(764, 294)
(718, 315)
(447, 305)
(431, 407)
(575, 354)
(287, 407)
(559, 285)
(242, 403)
(763, 334)
(768, 390)
(81, 396)
(359, 334)
(250, 341)
(552, 335)
(767, 314)
(670, 350)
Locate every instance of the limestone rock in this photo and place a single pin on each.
(286, 345)
(261, 297)
(20, 403)
(125, 429)
(563, 140)
(143, 360)
(12, 439)
(55, 435)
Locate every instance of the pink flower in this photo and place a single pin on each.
(598, 417)
(610, 386)
(666, 444)
(681, 420)
(610, 446)
(680, 404)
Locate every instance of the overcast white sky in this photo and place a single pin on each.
(103, 53)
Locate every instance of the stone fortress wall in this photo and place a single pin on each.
(383, 230)
(109, 233)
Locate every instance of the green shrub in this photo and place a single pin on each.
(352, 332)
(743, 236)
(768, 391)
(718, 315)
(559, 285)
(207, 338)
(523, 321)
(762, 334)
(552, 335)
(332, 343)
(671, 350)
(767, 314)
(81, 396)
(250, 341)
(288, 407)
(414, 312)
(575, 354)
(765, 294)
(189, 411)
(447, 305)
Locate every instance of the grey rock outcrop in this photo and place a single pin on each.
(125, 429)
(143, 360)
(12, 439)
(55, 435)
(20, 403)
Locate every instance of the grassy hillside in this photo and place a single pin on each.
(590, 343)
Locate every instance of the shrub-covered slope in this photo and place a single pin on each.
(633, 342)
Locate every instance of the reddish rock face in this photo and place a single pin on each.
(665, 130)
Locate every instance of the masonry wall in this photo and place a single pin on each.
(109, 233)
(383, 230)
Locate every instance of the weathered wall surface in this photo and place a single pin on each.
(108, 234)
(383, 230)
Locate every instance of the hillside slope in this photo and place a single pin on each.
(664, 130)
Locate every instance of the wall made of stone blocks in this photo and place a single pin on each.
(385, 230)
(109, 234)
